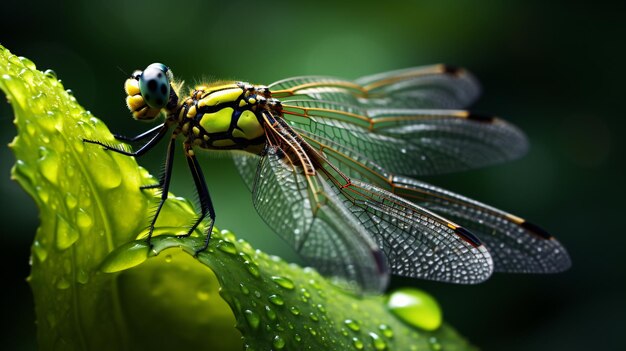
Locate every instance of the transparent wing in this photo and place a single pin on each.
(417, 242)
(436, 86)
(313, 221)
(410, 141)
(515, 244)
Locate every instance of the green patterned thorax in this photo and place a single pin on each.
(224, 116)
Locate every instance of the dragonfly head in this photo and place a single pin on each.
(150, 91)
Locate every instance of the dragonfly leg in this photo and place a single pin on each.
(169, 161)
(142, 150)
(141, 136)
(206, 204)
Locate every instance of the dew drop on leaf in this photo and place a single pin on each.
(278, 342)
(352, 324)
(283, 282)
(126, 256)
(252, 319)
(276, 300)
(49, 164)
(416, 308)
(66, 234)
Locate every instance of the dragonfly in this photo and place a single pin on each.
(331, 164)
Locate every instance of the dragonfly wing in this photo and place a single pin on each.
(416, 242)
(436, 86)
(410, 141)
(302, 211)
(247, 164)
(517, 245)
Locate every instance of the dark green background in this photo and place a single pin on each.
(555, 70)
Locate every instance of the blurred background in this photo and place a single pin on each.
(552, 68)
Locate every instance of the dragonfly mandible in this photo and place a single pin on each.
(329, 163)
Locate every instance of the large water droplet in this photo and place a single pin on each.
(244, 289)
(66, 234)
(416, 308)
(40, 251)
(278, 342)
(252, 269)
(70, 201)
(283, 282)
(227, 246)
(49, 164)
(82, 277)
(378, 343)
(50, 74)
(252, 319)
(357, 343)
(352, 324)
(386, 330)
(270, 313)
(276, 300)
(126, 256)
(27, 63)
(83, 219)
(62, 284)
(104, 170)
(294, 310)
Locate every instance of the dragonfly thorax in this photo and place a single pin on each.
(225, 115)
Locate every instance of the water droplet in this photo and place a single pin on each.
(70, 201)
(43, 194)
(62, 284)
(244, 289)
(168, 258)
(434, 343)
(352, 324)
(49, 165)
(50, 74)
(227, 247)
(313, 317)
(66, 234)
(252, 269)
(27, 63)
(416, 308)
(321, 308)
(297, 337)
(82, 277)
(386, 330)
(270, 313)
(358, 344)
(294, 310)
(378, 342)
(276, 300)
(104, 170)
(30, 128)
(126, 256)
(252, 319)
(40, 251)
(278, 343)
(283, 282)
(83, 219)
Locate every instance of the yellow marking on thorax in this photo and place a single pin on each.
(218, 121)
(250, 126)
(219, 97)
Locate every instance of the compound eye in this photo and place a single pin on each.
(154, 84)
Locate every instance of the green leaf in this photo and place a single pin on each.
(97, 287)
